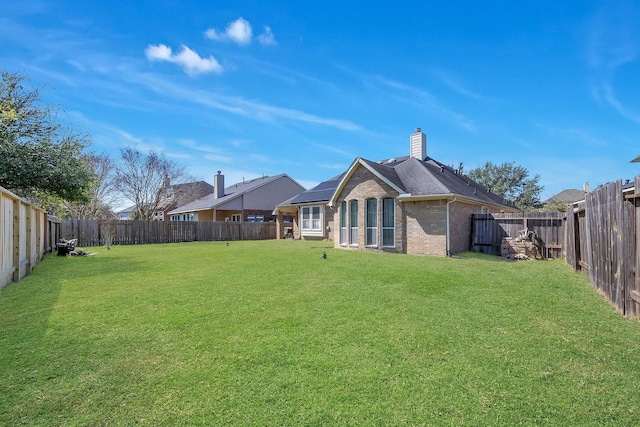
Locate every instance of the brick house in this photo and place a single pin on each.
(247, 201)
(412, 204)
(171, 196)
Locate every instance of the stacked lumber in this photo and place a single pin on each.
(518, 248)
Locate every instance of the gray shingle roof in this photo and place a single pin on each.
(230, 193)
(418, 178)
(567, 196)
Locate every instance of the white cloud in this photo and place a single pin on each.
(218, 158)
(212, 34)
(613, 40)
(267, 38)
(191, 62)
(240, 106)
(158, 53)
(238, 31)
(426, 99)
(611, 99)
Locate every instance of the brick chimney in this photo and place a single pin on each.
(218, 185)
(418, 141)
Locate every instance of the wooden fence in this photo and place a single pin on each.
(488, 230)
(26, 234)
(131, 232)
(602, 240)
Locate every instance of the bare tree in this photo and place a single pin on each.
(141, 177)
(102, 191)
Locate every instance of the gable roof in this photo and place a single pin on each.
(570, 195)
(185, 193)
(411, 178)
(230, 193)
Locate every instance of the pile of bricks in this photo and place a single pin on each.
(518, 248)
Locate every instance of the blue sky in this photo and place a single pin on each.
(256, 88)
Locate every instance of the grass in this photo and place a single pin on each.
(269, 333)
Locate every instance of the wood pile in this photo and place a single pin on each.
(518, 248)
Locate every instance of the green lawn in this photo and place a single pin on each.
(270, 333)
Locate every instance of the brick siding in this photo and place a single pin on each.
(361, 186)
(427, 227)
(420, 226)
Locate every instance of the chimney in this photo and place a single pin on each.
(166, 182)
(418, 142)
(218, 185)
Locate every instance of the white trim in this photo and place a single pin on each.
(451, 196)
(312, 231)
(347, 176)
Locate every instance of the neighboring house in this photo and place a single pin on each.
(251, 201)
(125, 213)
(412, 204)
(565, 197)
(172, 196)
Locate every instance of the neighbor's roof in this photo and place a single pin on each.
(230, 193)
(570, 195)
(412, 178)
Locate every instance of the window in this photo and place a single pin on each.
(343, 223)
(184, 217)
(236, 218)
(371, 236)
(255, 218)
(353, 222)
(311, 220)
(388, 222)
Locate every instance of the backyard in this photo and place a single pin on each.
(271, 333)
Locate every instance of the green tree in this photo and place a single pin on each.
(554, 206)
(512, 182)
(40, 159)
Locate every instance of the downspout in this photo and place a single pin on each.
(448, 227)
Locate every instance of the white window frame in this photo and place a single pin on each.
(236, 217)
(312, 220)
(371, 222)
(353, 222)
(343, 223)
(385, 243)
(191, 216)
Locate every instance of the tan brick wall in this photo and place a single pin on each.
(329, 218)
(362, 186)
(460, 225)
(427, 227)
(205, 215)
(421, 226)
